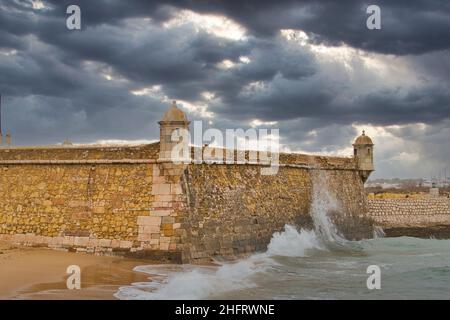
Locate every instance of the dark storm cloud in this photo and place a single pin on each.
(184, 62)
(10, 41)
(427, 105)
(59, 84)
(408, 26)
(317, 97)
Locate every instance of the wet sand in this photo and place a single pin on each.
(39, 273)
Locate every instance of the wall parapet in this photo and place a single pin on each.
(154, 161)
(149, 153)
(92, 161)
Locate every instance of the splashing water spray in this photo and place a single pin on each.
(323, 203)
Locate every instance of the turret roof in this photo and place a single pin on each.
(363, 139)
(174, 114)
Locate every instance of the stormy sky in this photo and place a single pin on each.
(312, 69)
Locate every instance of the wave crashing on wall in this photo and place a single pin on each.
(200, 282)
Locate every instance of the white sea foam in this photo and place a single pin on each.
(192, 282)
(291, 243)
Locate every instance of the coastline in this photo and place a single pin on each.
(40, 273)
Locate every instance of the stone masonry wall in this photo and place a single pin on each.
(122, 199)
(410, 212)
(234, 210)
(120, 208)
(92, 207)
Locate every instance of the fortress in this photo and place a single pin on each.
(134, 200)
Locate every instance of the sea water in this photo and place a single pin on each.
(310, 264)
(297, 265)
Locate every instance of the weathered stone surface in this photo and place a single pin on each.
(149, 221)
(72, 205)
(410, 212)
(62, 198)
(234, 209)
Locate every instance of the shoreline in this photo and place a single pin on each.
(40, 273)
(441, 231)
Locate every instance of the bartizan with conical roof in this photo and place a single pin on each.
(363, 152)
(174, 119)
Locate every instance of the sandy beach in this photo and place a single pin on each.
(40, 273)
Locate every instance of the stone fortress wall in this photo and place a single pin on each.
(122, 199)
(136, 200)
(84, 198)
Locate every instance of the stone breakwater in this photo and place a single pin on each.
(427, 217)
(123, 200)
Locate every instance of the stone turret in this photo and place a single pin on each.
(174, 131)
(363, 152)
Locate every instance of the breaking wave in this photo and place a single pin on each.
(291, 243)
(323, 203)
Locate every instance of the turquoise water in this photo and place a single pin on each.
(300, 265)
